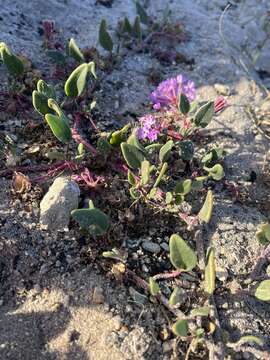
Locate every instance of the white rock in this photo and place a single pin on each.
(57, 204)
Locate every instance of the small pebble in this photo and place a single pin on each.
(151, 247)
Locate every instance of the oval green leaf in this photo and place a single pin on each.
(181, 255)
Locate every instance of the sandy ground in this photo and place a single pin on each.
(57, 317)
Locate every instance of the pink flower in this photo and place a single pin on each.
(168, 91)
(149, 128)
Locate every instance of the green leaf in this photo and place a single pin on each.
(186, 150)
(103, 146)
(216, 172)
(205, 213)
(59, 127)
(179, 199)
(153, 287)
(76, 82)
(181, 255)
(176, 297)
(250, 339)
(180, 328)
(213, 155)
(204, 115)
(93, 220)
(183, 187)
(161, 174)
(115, 254)
(137, 31)
(165, 151)
(184, 105)
(105, 39)
(263, 234)
(127, 26)
(74, 51)
(145, 172)
(40, 103)
(132, 155)
(200, 311)
(169, 197)
(131, 178)
(92, 71)
(133, 140)
(263, 291)
(197, 183)
(13, 64)
(142, 13)
(118, 136)
(210, 272)
(134, 193)
(153, 147)
(46, 89)
(57, 57)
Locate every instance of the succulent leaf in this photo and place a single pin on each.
(180, 328)
(59, 127)
(145, 172)
(153, 287)
(142, 13)
(74, 51)
(210, 272)
(93, 220)
(200, 311)
(165, 151)
(186, 150)
(263, 234)
(184, 105)
(183, 187)
(263, 291)
(181, 255)
(161, 174)
(205, 213)
(137, 31)
(176, 297)
(12, 62)
(132, 155)
(216, 172)
(105, 39)
(204, 115)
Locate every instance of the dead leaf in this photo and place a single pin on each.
(20, 183)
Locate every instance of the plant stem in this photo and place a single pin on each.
(169, 275)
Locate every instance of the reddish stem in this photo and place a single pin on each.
(169, 275)
(77, 137)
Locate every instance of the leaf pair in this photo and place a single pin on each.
(41, 96)
(76, 83)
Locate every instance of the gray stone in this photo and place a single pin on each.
(57, 204)
(165, 246)
(151, 247)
